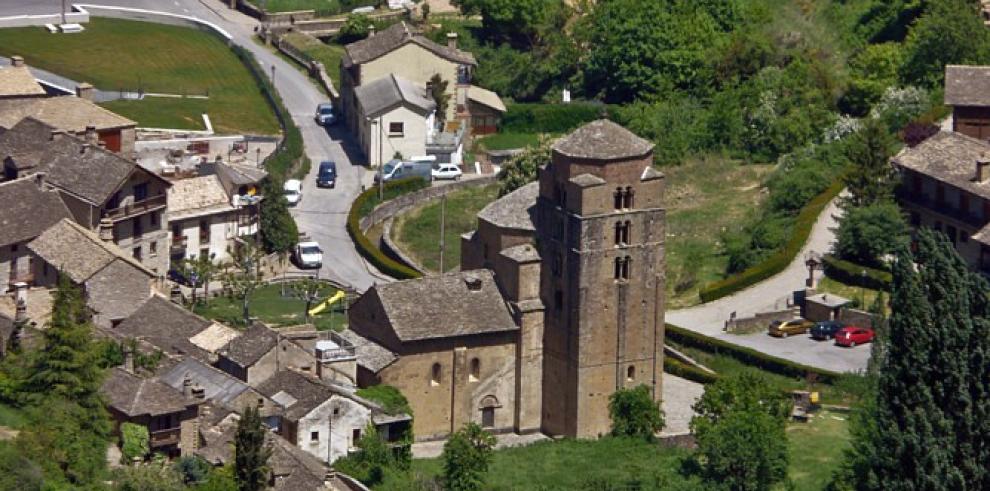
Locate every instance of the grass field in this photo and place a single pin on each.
(418, 232)
(816, 449)
(323, 7)
(269, 306)
(115, 54)
(861, 296)
(326, 53)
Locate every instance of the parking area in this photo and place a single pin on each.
(803, 349)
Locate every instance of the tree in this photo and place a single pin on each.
(740, 429)
(950, 32)
(634, 413)
(438, 92)
(368, 465)
(17, 471)
(202, 269)
(310, 291)
(134, 441)
(355, 28)
(871, 178)
(927, 426)
(866, 234)
(245, 277)
(278, 230)
(69, 441)
(251, 452)
(466, 457)
(522, 169)
(523, 23)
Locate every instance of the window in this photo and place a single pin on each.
(336, 411)
(138, 227)
(395, 129)
(176, 232)
(622, 232)
(627, 198)
(204, 231)
(631, 373)
(141, 192)
(625, 267)
(951, 232)
(488, 417)
(153, 219)
(475, 370)
(153, 249)
(617, 198)
(314, 436)
(621, 271)
(355, 436)
(435, 374)
(261, 402)
(136, 252)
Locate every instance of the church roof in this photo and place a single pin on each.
(515, 210)
(602, 140)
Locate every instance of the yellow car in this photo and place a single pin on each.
(782, 329)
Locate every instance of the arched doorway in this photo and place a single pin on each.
(488, 406)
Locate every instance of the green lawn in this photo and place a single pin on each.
(269, 306)
(418, 232)
(115, 54)
(327, 53)
(863, 297)
(816, 449)
(324, 7)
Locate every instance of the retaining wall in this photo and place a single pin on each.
(397, 205)
(761, 320)
(392, 250)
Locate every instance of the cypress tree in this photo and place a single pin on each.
(278, 229)
(251, 453)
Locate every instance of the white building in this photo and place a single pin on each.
(395, 116)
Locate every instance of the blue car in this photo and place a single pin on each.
(326, 177)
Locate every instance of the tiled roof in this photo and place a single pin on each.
(27, 211)
(137, 396)
(249, 347)
(167, 326)
(68, 113)
(78, 251)
(18, 81)
(306, 393)
(394, 37)
(948, 157)
(516, 210)
(602, 140)
(370, 355)
(485, 97)
(197, 196)
(388, 92)
(217, 385)
(88, 171)
(967, 85)
(444, 306)
(25, 143)
(523, 253)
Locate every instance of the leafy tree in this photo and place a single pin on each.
(194, 469)
(251, 452)
(950, 32)
(202, 268)
(522, 169)
(872, 71)
(466, 457)
(739, 426)
(245, 277)
(635, 413)
(866, 234)
(278, 230)
(355, 28)
(151, 477)
(134, 441)
(438, 92)
(871, 179)
(523, 22)
(368, 465)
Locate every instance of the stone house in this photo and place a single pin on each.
(560, 301)
(76, 115)
(17, 82)
(260, 353)
(115, 284)
(393, 116)
(967, 90)
(484, 108)
(216, 386)
(326, 420)
(210, 214)
(101, 189)
(945, 185)
(399, 50)
(27, 211)
(168, 414)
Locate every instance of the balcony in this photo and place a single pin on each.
(136, 208)
(944, 209)
(164, 438)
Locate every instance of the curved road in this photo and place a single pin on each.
(322, 214)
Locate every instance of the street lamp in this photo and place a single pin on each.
(381, 178)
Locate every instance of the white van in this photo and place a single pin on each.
(293, 191)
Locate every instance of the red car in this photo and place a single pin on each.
(852, 335)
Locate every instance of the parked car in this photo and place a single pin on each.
(851, 336)
(826, 329)
(184, 277)
(324, 114)
(397, 169)
(446, 171)
(782, 329)
(309, 255)
(293, 191)
(327, 175)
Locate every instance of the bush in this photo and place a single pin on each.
(362, 205)
(779, 261)
(867, 234)
(675, 367)
(748, 356)
(851, 273)
(634, 413)
(551, 118)
(134, 441)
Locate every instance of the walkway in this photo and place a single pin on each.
(771, 294)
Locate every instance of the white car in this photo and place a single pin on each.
(309, 255)
(446, 171)
(293, 191)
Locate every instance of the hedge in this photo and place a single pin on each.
(781, 259)
(851, 273)
(362, 206)
(550, 118)
(748, 356)
(676, 367)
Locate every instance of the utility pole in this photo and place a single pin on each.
(443, 215)
(63, 12)
(381, 178)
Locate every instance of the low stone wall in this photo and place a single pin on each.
(395, 206)
(856, 317)
(761, 320)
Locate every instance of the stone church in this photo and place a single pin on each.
(559, 301)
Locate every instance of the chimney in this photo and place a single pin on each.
(91, 136)
(106, 230)
(473, 282)
(982, 169)
(39, 179)
(129, 359)
(85, 91)
(452, 40)
(16, 61)
(187, 388)
(20, 296)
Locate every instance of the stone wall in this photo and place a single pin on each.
(761, 320)
(856, 317)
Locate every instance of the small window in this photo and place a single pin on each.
(153, 249)
(627, 199)
(261, 402)
(176, 231)
(557, 264)
(336, 411)
(617, 271)
(617, 198)
(435, 374)
(136, 252)
(395, 129)
(355, 436)
(631, 373)
(621, 271)
(141, 192)
(475, 370)
(314, 436)
(138, 227)
(153, 219)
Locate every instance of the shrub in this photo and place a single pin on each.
(674, 366)
(550, 118)
(851, 273)
(362, 205)
(748, 356)
(134, 441)
(779, 261)
(867, 234)
(634, 413)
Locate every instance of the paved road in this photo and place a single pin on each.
(322, 214)
(770, 295)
